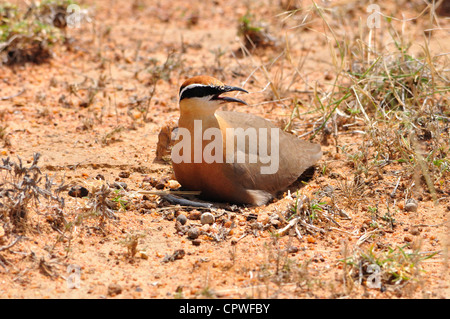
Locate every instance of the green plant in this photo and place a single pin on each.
(21, 189)
(120, 201)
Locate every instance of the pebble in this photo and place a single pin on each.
(143, 255)
(310, 239)
(182, 219)
(99, 177)
(193, 233)
(318, 258)
(179, 254)
(120, 185)
(151, 180)
(160, 184)
(173, 184)
(227, 224)
(207, 218)
(114, 289)
(275, 222)
(169, 215)
(411, 205)
(124, 174)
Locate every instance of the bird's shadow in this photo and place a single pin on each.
(301, 181)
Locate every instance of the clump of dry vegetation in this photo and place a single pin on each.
(22, 189)
(28, 35)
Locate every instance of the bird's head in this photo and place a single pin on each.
(204, 94)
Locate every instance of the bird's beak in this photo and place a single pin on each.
(226, 99)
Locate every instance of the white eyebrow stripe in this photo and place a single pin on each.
(190, 86)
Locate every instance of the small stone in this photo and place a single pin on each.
(182, 219)
(318, 258)
(193, 233)
(310, 239)
(179, 254)
(124, 174)
(78, 191)
(143, 255)
(196, 242)
(151, 180)
(207, 218)
(275, 222)
(169, 215)
(99, 177)
(160, 184)
(411, 205)
(408, 239)
(114, 289)
(227, 224)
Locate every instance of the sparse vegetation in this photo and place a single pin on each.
(22, 189)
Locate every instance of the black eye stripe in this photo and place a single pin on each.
(199, 91)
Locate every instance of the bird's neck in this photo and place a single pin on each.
(189, 112)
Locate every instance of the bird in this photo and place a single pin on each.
(211, 153)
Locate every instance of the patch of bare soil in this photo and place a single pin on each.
(94, 111)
